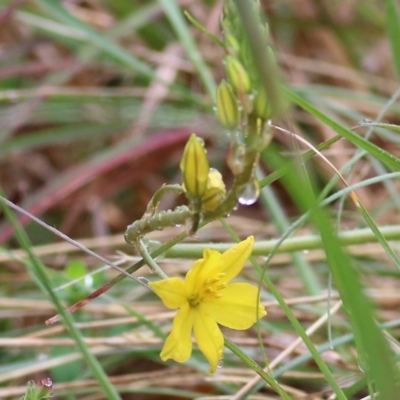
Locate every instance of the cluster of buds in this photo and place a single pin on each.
(241, 101)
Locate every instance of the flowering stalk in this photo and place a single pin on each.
(244, 109)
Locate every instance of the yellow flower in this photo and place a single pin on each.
(194, 167)
(206, 299)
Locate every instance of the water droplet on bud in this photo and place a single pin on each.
(249, 194)
(220, 364)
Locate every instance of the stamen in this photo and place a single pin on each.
(194, 299)
(222, 286)
(211, 281)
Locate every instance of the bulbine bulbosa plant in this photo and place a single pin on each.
(206, 298)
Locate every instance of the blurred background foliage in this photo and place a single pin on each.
(97, 100)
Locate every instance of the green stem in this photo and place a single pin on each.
(266, 68)
(155, 200)
(158, 221)
(302, 243)
(141, 247)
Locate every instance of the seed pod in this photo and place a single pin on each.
(237, 75)
(227, 107)
(194, 167)
(215, 192)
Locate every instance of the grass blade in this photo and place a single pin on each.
(178, 22)
(382, 155)
(40, 276)
(371, 342)
(393, 27)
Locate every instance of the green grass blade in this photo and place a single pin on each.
(111, 48)
(202, 29)
(371, 343)
(179, 24)
(393, 27)
(100, 41)
(293, 320)
(265, 66)
(275, 175)
(39, 273)
(305, 271)
(378, 234)
(382, 155)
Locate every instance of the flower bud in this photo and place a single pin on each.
(215, 192)
(227, 108)
(271, 56)
(194, 167)
(231, 44)
(265, 32)
(261, 105)
(246, 55)
(237, 75)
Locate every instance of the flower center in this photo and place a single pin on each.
(208, 290)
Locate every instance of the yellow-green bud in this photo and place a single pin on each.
(231, 44)
(227, 107)
(261, 105)
(229, 9)
(215, 191)
(266, 33)
(194, 167)
(245, 54)
(271, 55)
(237, 75)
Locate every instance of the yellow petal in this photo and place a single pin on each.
(237, 308)
(232, 260)
(171, 291)
(209, 338)
(178, 345)
(201, 270)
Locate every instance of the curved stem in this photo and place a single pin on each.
(150, 262)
